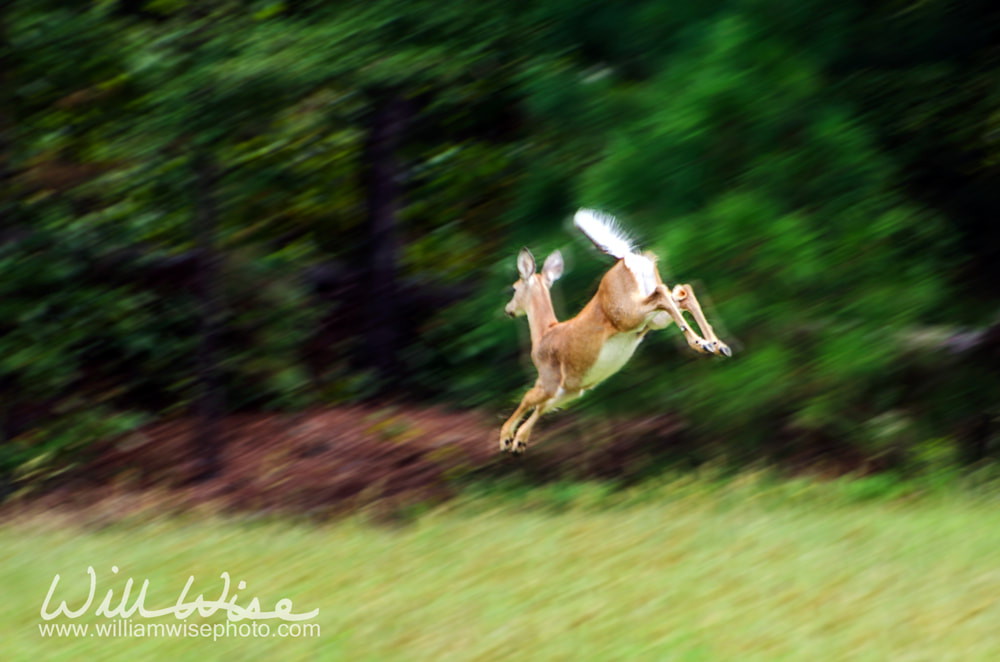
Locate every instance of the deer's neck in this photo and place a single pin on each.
(541, 316)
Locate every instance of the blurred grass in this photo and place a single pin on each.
(687, 568)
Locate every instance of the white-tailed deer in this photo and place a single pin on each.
(578, 354)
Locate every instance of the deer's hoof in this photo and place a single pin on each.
(724, 349)
(518, 447)
(701, 346)
(505, 444)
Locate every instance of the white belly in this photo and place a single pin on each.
(617, 350)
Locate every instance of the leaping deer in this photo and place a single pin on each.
(580, 353)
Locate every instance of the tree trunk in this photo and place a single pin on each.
(6, 121)
(382, 334)
(6, 204)
(209, 403)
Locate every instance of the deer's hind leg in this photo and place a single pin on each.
(661, 299)
(629, 309)
(665, 300)
(685, 298)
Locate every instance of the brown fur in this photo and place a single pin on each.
(564, 352)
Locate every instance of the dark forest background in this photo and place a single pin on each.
(217, 207)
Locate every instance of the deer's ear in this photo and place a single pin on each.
(553, 268)
(525, 264)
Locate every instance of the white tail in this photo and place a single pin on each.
(576, 355)
(604, 231)
(608, 235)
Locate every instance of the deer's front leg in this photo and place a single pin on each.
(521, 438)
(661, 299)
(535, 396)
(685, 298)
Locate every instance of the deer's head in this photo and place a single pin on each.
(531, 284)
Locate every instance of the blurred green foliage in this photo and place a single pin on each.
(825, 176)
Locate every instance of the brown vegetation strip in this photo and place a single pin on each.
(333, 460)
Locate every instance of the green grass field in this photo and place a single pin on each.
(688, 569)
